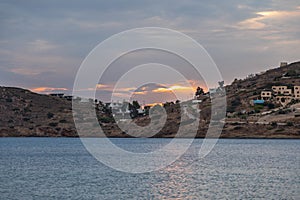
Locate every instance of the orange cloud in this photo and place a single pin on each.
(173, 88)
(139, 92)
(47, 89)
(162, 90)
(102, 86)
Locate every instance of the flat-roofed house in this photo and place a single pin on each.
(266, 95)
(297, 92)
(284, 100)
(283, 64)
(282, 90)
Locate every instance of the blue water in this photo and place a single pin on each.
(61, 168)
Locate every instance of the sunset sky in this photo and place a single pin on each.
(43, 43)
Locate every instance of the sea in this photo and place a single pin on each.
(62, 168)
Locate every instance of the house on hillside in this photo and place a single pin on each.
(297, 92)
(282, 90)
(281, 94)
(283, 64)
(119, 110)
(266, 95)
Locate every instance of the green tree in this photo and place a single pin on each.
(271, 106)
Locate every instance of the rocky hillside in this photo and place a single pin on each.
(241, 92)
(24, 113)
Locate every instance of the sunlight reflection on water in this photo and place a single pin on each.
(60, 168)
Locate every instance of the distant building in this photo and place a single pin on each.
(297, 92)
(196, 101)
(284, 100)
(115, 105)
(250, 76)
(141, 112)
(281, 94)
(283, 64)
(282, 90)
(266, 95)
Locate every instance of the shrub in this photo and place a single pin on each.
(274, 124)
(27, 110)
(50, 115)
(9, 100)
(26, 119)
(290, 124)
(236, 102)
(257, 108)
(106, 119)
(271, 106)
(62, 121)
(291, 73)
(53, 124)
(282, 112)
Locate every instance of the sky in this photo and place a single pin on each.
(43, 43)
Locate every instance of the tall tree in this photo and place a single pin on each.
(136, 104)
(199, 91)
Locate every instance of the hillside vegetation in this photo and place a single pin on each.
(24, 113)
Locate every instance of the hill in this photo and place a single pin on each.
(24, 113)
(241, 92)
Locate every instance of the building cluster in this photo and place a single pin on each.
(281, 94)
(62, 95)
(121, 110)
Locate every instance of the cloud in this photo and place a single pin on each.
(93, 25)
(252, 23)
(23, 71)
(172, 88)
(103, 86)
(140, 93)
(47, 89)
(262, 19)
(41, 45)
